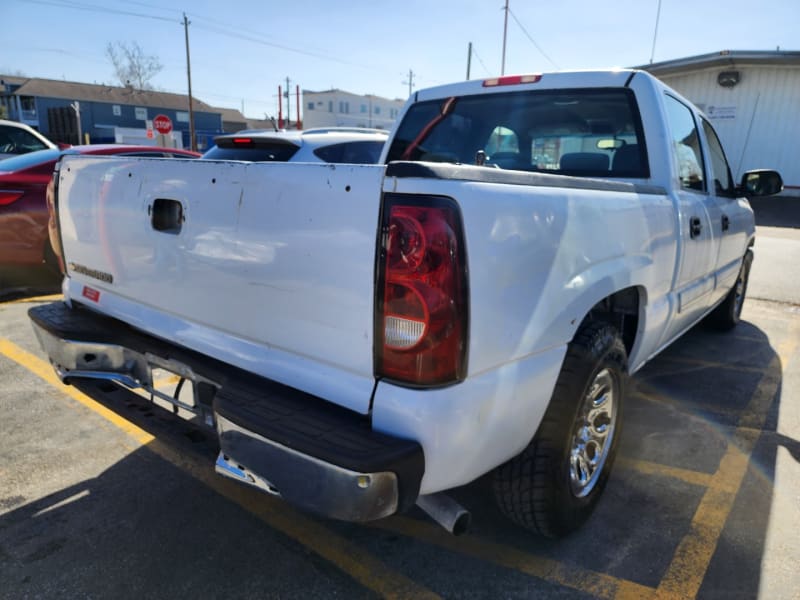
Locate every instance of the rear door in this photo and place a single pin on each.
(267, 266)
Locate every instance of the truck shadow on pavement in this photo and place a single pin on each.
(688, 506)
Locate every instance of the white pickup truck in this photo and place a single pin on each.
(365, 337)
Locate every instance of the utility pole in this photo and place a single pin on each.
(655, 32)
(469, 58)
(410, 81)
(76, 106)
(192, 137)
(288, 106)
(505, 33)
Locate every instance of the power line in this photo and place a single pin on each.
(528, 35)
(475, 54)
(99, 9)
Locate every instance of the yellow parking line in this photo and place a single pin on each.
(362, 566)
(44, 371)
(651, 468)
(48, 298)
(689, 565)
(598, 585)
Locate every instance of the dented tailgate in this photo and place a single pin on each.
(267, 266)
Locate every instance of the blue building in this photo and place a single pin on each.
(108, 114)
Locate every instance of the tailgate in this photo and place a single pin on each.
(269, 266)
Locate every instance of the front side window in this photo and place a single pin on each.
(720, 171)
(685, 144)
(584, 132)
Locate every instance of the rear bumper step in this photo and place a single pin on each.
(314, 454)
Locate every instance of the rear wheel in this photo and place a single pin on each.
(728, 314)
(553, 485)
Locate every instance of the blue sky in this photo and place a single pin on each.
(242, 50)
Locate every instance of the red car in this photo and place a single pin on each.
(24, 179)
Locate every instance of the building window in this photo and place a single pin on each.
(182, 116)
(310, 106)
(377, 110)
(140, 113)
(116, 110)
(363, 108)
(344, 107)
(330, 105)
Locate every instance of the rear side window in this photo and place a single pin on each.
(354, 153)
(253, 153)
(584, 132)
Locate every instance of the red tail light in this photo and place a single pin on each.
(52, 222)
(9, 196)
(421, 317)
(242, 141)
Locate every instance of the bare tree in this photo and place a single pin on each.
(132, 66)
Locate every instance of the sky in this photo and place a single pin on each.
(242, 50)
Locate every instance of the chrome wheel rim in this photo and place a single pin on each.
(593, 433)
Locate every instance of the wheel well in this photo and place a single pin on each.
(621, 309)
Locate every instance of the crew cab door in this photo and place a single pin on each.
(735, 223)
(699, 221)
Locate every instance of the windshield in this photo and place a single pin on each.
(592, 132)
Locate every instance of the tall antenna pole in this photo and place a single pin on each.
(192, 137)
(655, 33)
(469, 58)
(505, 33)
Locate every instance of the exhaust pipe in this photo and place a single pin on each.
(446, 512)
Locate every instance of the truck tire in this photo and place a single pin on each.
(728, 314)
(553, 485)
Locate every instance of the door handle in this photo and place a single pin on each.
(695, 227)
(166, 215)
(726, 223)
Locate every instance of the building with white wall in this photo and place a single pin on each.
(337, 108)
(752, 99)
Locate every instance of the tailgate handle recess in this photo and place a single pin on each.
(166, 215)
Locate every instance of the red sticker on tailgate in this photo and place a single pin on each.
(91, 293)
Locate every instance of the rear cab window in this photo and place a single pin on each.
(583, 132)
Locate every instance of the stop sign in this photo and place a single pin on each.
(163, 124)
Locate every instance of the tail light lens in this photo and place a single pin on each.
(52, 222)
(10, 196)
(421, 316)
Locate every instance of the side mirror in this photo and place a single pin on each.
(761, 182)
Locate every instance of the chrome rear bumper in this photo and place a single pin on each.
(313, 454)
